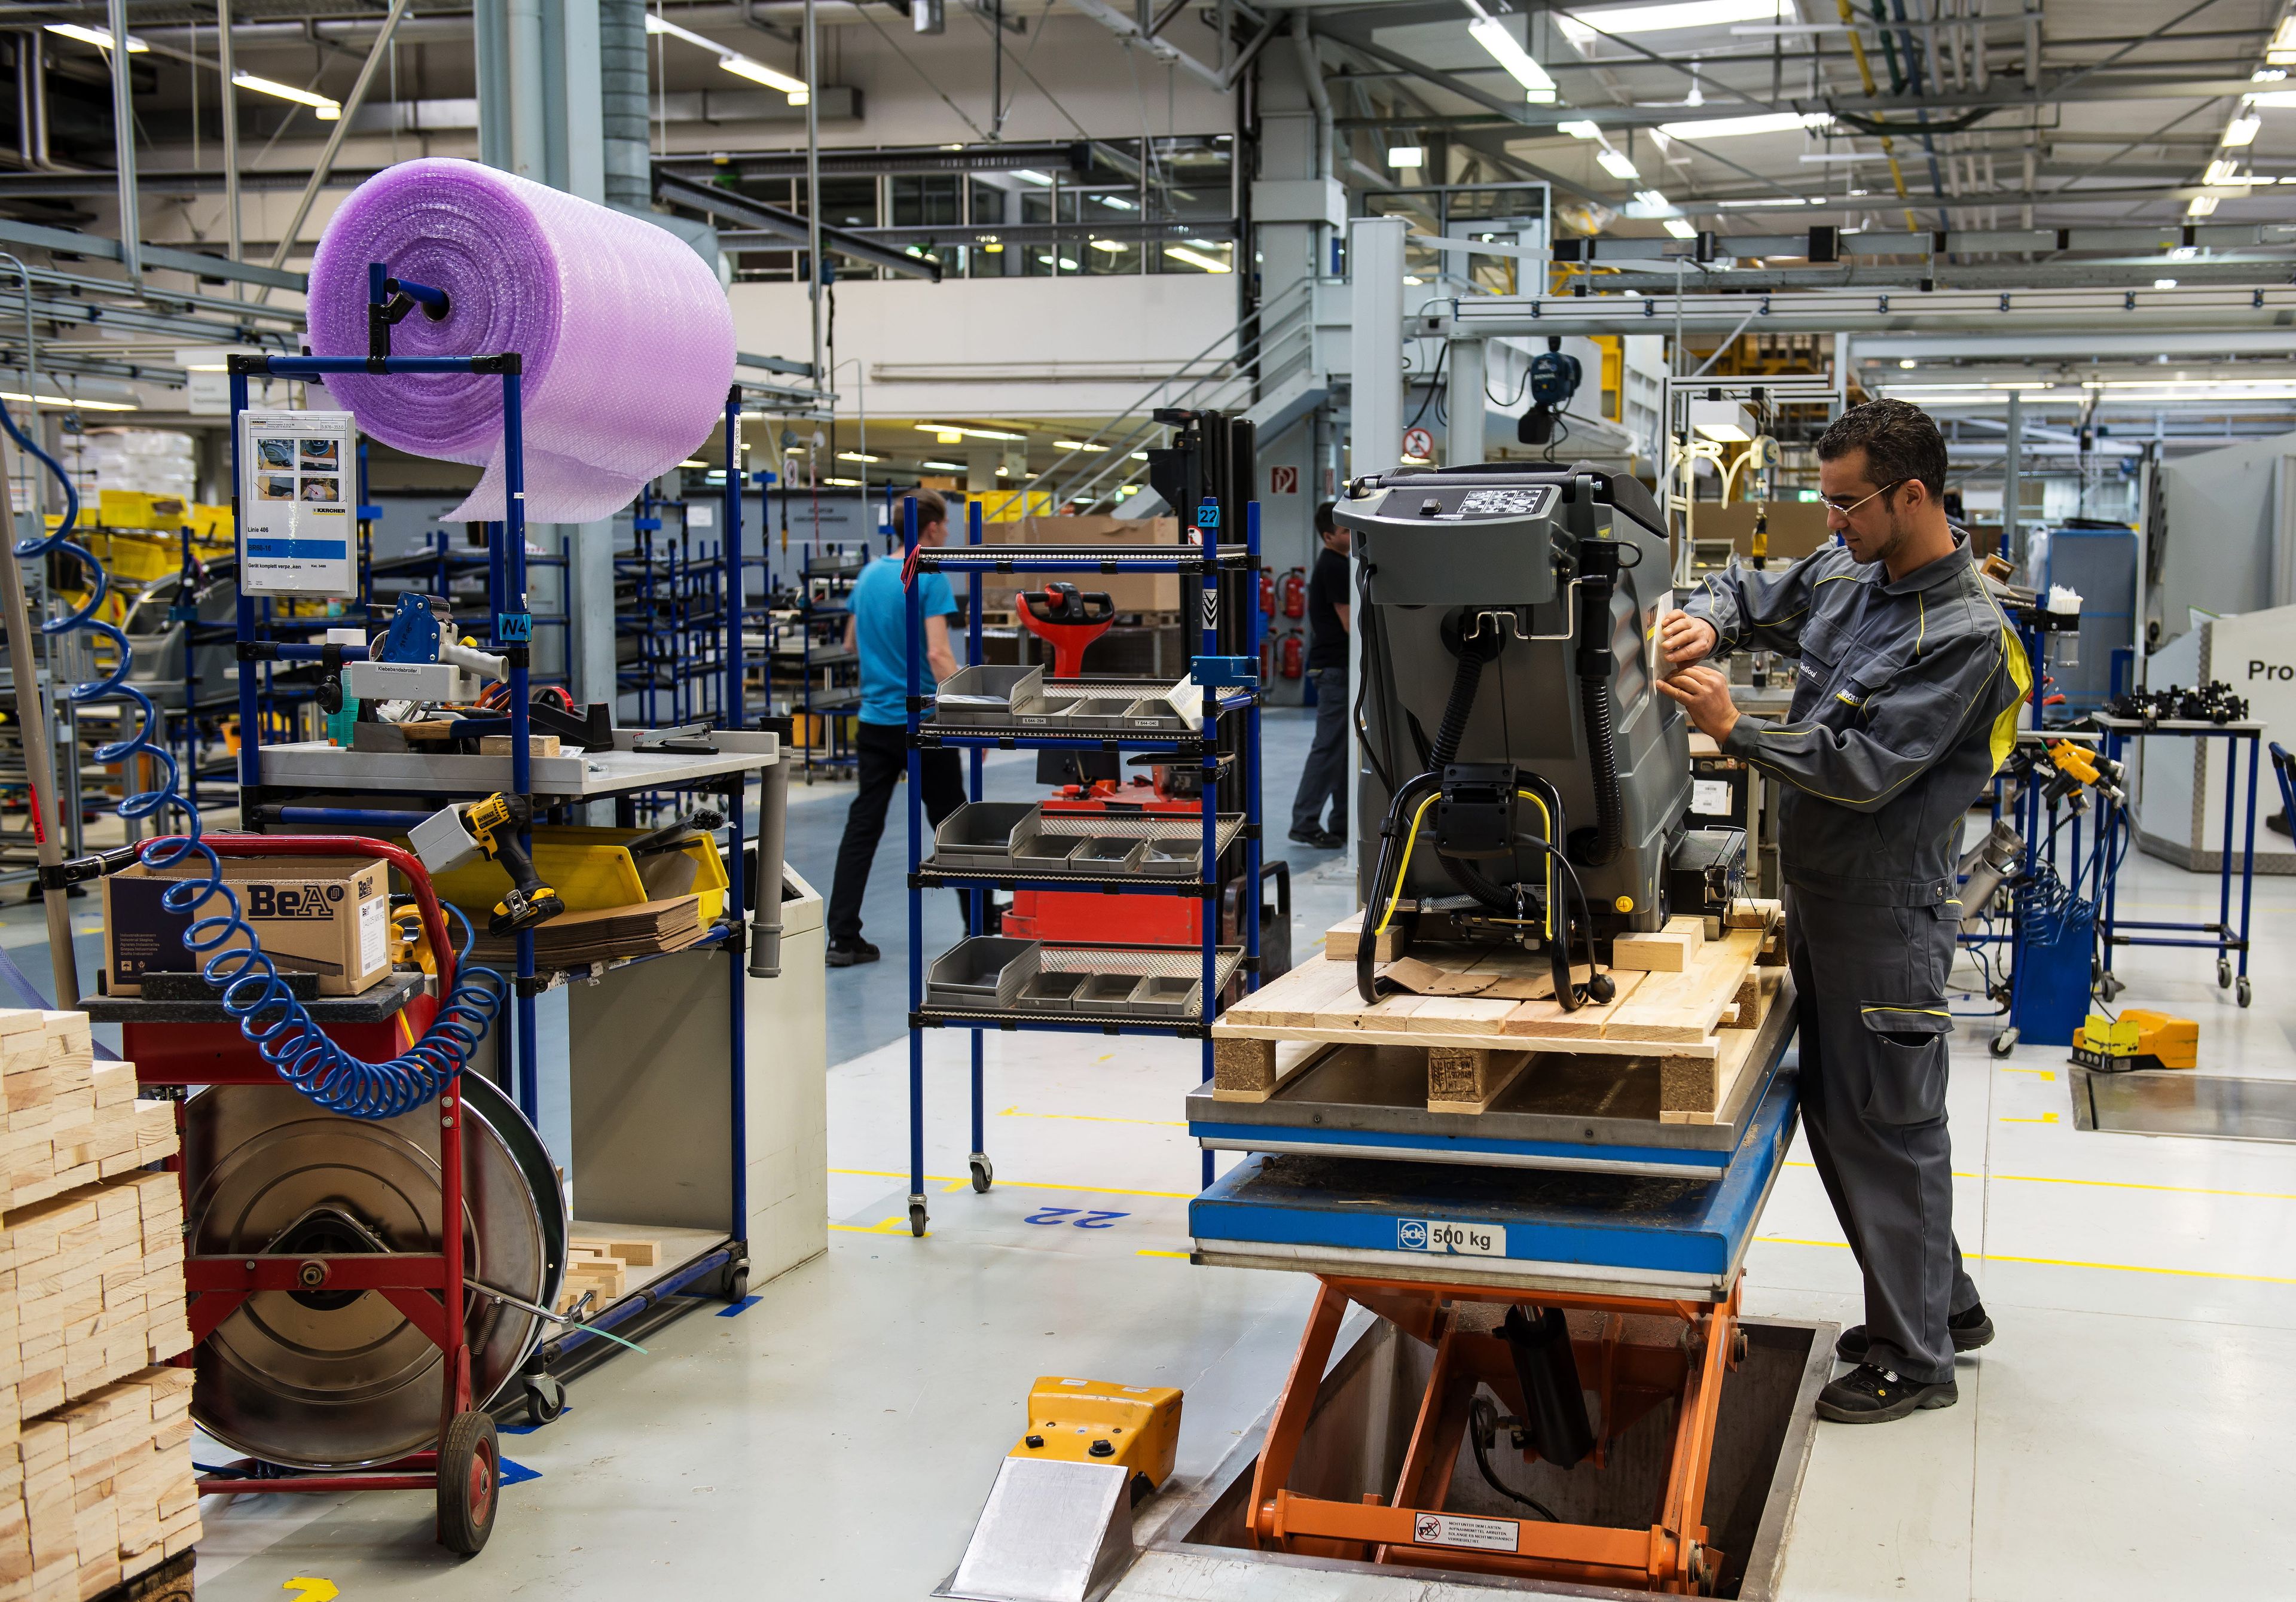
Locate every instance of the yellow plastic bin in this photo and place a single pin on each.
(592, 871)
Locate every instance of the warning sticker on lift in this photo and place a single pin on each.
(1482, 1534)
(1449, 1239)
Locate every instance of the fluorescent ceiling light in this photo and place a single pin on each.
(1731, 128)
(2221, 170)
(1726, 421)
(733, 61)
(1907, 362)
(2201, 205)
(1580, 27)
(2242, 129)
(2164, 283)
(1504, 48)
(2282, 51)
(962, 430)
(843, 483)
(327, 109)
(1616, 163)
(66, 400)
(2184, 253)
(1680, 229)
(1196, 258)
(945, 466)
(857, 456)
(1067, 266)
(1107, 244)
(1782, 200)
(1406, 155)
(101, 38)
(1032, 176)
(1580, 130)
(2268, 75)
(2278, 99)
(1116, 201)
(1077, 445)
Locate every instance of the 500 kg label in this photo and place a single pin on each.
(1449, 1239)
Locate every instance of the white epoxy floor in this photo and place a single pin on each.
(2118, 1439)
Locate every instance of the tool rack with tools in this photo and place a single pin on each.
(1164, 990)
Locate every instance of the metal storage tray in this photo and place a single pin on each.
(1097, 712)
(992, 692)
(1107, 854)
(984, 834)
(1170, 858)
(1153, 714)
(1106, 992)
(1045, 853)
(1167, 996)
(982, 971)
(1051, 992)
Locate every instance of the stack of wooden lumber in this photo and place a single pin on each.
(96, 1465)
(1692, 996)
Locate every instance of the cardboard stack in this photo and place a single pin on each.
(104, 1490)
(95, 1466)
(71, 1121)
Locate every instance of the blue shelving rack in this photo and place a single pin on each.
(1231, 689)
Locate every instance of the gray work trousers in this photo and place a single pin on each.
(1871, 988)
(1325, 776)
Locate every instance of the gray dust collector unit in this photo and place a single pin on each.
(1509, 618)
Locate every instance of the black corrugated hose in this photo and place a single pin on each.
(1599, 569)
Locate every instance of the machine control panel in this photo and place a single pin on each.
(1465, 504)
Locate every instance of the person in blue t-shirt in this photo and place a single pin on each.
(879, 625)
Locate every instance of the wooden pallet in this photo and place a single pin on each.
(1699, 1023)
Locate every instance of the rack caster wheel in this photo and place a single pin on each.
(2243, 991)
(2006, 1042)
(984, 1173)
(2109, 985)
(737, 1281)
(2224, 973)
(917, 1218)
(545, 1398)
(470, 1480)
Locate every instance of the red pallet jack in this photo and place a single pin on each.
(426, 1288)
(1070, 621)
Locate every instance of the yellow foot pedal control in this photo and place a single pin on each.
(2139, 1039)
(1135, 1427)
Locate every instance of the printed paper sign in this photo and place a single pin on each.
(1482, 1534)
(297, 504)
(1710, 797)
(1448, 1239)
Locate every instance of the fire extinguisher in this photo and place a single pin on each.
(1267, 592)
(1295, 593)
(1295, 655)
(1268, 658)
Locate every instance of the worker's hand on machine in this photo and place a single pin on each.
(1683, 639)
(1704, 694)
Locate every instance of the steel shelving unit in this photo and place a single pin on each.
(821, 650)
(675, 612)
(1230, 689)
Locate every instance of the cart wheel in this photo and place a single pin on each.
(545, 1398)
(2224, 973)
(2109, 985)
(737, 1281)
(2243, 991)
(917, 1218)
(470, 1480)
(2004, 1042)
(984, 1172)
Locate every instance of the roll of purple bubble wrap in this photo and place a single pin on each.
(625, 336)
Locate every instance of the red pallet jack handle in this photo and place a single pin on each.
(425, 1286)
(1067, 622)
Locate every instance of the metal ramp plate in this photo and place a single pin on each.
(2211, 1106)
(1051, 1532)
(1592, 1113)
(1444, 1222)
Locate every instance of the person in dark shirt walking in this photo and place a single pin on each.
(1325, 774)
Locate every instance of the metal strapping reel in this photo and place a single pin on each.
(321, 1377)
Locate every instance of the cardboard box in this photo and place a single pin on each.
(328, 916)
(1130, 591)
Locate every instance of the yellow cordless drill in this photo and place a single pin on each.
(496, 824)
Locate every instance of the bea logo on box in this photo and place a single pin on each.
(272, 902)
(1411, 1235)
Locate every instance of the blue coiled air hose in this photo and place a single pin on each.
(268, 1014)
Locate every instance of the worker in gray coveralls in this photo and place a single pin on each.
(1905, 705)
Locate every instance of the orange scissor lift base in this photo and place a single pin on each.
(1636, 1355)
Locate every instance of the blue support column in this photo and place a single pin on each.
(913, 607)
(1208, 539)
(1247, 755)
(982, 1170)
(2247, 851)
(737, 977)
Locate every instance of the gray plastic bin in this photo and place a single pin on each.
(1107, 854)
(982, 973)
(991, 693)
(1051, 993)
(981, 833)
(1163, 996)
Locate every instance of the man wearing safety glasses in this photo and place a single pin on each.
(1905, 705)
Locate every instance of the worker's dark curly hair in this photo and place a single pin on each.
(1899, 441)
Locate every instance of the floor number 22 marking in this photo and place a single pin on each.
(1078, 1216)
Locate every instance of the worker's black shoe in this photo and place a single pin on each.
(1321, 840)
(1871, 1395)
(1970, 1330)
(845, 952)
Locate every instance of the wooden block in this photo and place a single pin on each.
(1750, 913)
(536, 745)
(1670, 950)
(1341, 939)
(637, 1253)
(1687, 1007)
(1244, 1068)
(1469, 1079)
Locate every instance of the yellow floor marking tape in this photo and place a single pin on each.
(2049, 1074)
(1158, 1123)
(1151, 1252)
(891, 1226)
(2060, 1262)
(2044, 1118)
